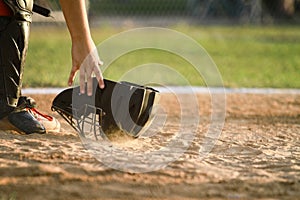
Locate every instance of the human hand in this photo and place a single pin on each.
(85, 59)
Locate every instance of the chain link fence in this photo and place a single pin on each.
(190, 11)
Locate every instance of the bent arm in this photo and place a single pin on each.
(82, 45)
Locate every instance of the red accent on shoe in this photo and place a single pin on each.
(35, 111)
(50, 123)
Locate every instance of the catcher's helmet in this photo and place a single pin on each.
(119, 106)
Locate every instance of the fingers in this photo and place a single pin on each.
(89, 86)
(89, 66)
(101, 82)
(99, 76)
(82, 80)
(85, 75)
(72, 75)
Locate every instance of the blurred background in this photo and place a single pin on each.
(163, 12)
(254, 43)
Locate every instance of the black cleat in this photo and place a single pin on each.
(26, 122)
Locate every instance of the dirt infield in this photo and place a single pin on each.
(257, 156)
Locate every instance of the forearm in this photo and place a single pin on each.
(76, 19)
(85, 58)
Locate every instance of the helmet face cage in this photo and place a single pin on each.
(88, 124)
(86, 120)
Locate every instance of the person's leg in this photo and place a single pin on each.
(5, 104)
(14, 35)
(13, 39)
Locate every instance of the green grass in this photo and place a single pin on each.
(246, 56)
(48, 59)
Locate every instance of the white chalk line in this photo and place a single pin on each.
(185, 90)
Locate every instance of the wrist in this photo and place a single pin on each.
(80, 36)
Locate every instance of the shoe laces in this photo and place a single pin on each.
(29, 105)
(37, 114)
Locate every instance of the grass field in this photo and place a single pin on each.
(246, 56)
